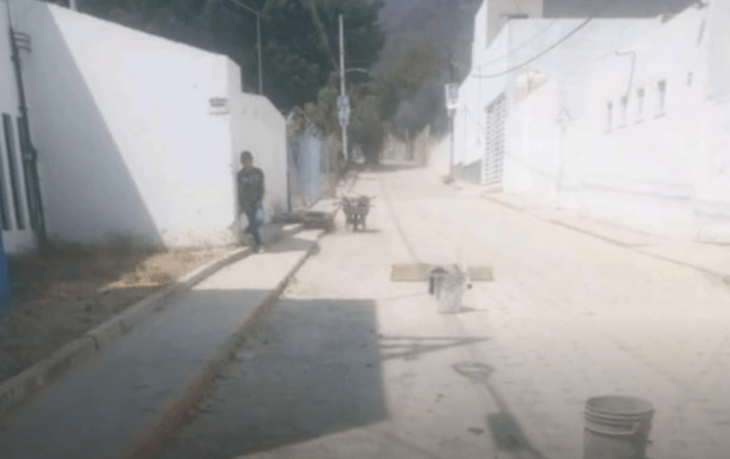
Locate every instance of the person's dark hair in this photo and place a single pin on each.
(246, 155)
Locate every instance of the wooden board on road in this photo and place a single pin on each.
(420, 272)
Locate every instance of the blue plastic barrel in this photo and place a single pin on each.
(4, 283)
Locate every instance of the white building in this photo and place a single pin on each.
(509, 59)
(623, 120)
(138, 137)
(660, 163)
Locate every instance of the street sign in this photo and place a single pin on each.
(343, 110)
(218, 106)
(343, 102)
(452, 96)
(344, 117)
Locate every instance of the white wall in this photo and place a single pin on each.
(257, 126)
(642, 174)
(519, 41)
(719, 48)
(19, 238)
(532, 163)
(128, 145)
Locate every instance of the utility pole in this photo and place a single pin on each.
(258, 39)
(343, 91)
(452, 98)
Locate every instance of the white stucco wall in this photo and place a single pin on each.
(257, 126)
(129, 147)
(519, 41)
(643, 174)
(662, 172)
(533, 159)
(719, 48)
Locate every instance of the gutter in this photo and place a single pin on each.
(29, 153)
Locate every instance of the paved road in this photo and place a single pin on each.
(351, 365)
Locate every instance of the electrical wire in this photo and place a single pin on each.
(537, 56)
(607, 4)
(322, 35)
(517, 5)
(522, 45)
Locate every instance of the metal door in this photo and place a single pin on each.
(492, 165)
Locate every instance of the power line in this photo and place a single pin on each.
(539, 55)
(322, 35)
(606, 5)
(522, 45)
(517, 5)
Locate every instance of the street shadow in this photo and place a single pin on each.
(355, 233)
(90, 171)
(504, 426)
(310, 368)
(405, 347)
(292, 244)
(467, 310)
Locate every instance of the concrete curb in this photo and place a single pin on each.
(21, 387)
(503, 203)
(636, 248)
(178, 409)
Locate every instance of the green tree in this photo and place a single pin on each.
(429, 48)
(300, 37)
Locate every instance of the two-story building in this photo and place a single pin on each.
(519, 45)
(622, 118)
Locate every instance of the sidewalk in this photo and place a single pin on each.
(712, 259)
(127, 397)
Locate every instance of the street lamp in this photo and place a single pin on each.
(258, 35)
(452, 100)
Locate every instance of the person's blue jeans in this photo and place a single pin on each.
(253, 225)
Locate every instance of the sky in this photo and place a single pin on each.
(396, 9)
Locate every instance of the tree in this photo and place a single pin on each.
(301, 52)
(300, 37)
(429, 48)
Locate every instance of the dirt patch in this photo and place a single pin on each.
(63, 295)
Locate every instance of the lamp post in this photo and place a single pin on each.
(258, 40)
(343, 102)
(452, 98)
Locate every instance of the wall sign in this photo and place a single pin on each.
(218, 106)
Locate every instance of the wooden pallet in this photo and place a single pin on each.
(420, 272)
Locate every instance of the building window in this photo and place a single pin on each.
(661, 97)
(624, 110)
(640, 93)
(609, 116)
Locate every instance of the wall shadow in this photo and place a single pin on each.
(311, 368)
(404, 347)
(88, 191)
(290, 245)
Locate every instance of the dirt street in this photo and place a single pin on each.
(352, 365)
